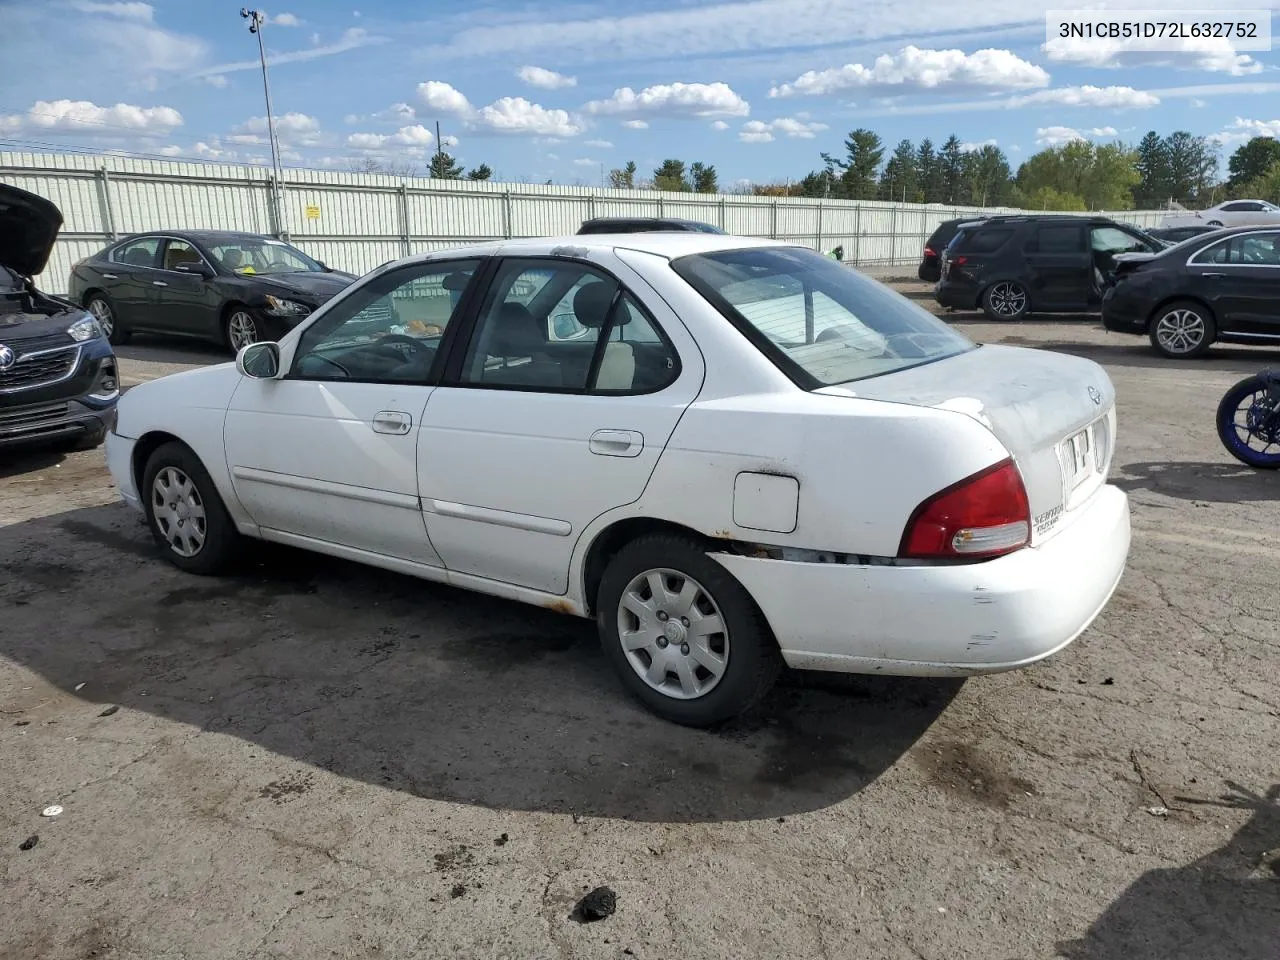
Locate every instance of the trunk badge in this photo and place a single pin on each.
(7, 357)
(1095, 395)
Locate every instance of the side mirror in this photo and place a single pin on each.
(259, 361)
(199, 269)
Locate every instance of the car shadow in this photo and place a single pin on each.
(1228, 482)
(28, 458)
(160, 349)
(1225, 904)
(423, 688)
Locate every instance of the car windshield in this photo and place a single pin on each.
(820, 322)
(250, 256)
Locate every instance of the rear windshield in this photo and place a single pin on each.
(981, 239)
(820, 322)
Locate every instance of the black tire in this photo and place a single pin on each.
(222, 542)
(1225, 420)
(1215, 223)
(231, 315)
(1162, 322)
(1006, 300)
(100, 305)
(753, 660)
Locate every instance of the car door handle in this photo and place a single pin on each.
(391, 421)
(158, 283)
(109, 276)
(1213, 276)
(616, 443)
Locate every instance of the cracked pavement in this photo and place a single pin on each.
(313, 759)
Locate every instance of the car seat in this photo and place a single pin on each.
(618, 365)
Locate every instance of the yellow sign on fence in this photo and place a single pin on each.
(313, 213)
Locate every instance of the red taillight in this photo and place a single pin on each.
(928, 252)
(959, 261)
(985, 515)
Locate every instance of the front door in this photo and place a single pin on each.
(183, 301)
(1059, 267)
(556, 411)
(1241, 278)
(329, 453)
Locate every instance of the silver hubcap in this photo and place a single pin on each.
(241, 330)
(1180, 331)
(102, 313)
(179, 512)
(673, 634)
(1007, 299)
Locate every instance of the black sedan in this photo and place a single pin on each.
(1223, 286)
(231, 288)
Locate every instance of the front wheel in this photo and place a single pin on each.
(1006, 300)
(185, 513)
(683, 635)
(105, 314)
(1182, 330)
(241, 329)
(1248, 421)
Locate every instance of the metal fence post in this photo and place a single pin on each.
(721, 224)
(857, 233)
(893, 234)
(661, 207)
(506, 214)
(591, 206)
(405, 244)
(104, 199)
(819, 226)
(773, 230)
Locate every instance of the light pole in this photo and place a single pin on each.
(256, 20)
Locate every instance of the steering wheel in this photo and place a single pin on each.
(913, 339)
(401, 340)
(280, 266)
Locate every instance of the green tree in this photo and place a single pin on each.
(444, 167)
(857, 177)
(986, 177)
(951, 161)
(900, 179)
(481, 172)
(1252, 161)
(1264, 187)
(703, 177)
(1193, 166)
(1079, 175)
(624, 178)
(1154, 183)
(671, 176)
(929, 170)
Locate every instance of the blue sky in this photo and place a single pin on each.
(554, 90)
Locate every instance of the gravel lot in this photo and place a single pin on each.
(315, 759)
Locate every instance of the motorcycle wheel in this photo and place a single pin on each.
(1248, 423)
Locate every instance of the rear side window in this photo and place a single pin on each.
(1058, 238)
(137, 253)
(982, 239)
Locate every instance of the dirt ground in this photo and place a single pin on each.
(313, 759)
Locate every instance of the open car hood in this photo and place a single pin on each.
(28, 227)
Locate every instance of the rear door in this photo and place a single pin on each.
(126, 277)
(1061, 274)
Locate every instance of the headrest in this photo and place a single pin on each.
(457, 280)
(591, 303)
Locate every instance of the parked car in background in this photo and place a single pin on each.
(229, 288)
(751, 449)
(930, 269)
(58, 379)
(1232, 213)
(645, 225)
(1224, 286)
(1172, 235)
(1010, 266)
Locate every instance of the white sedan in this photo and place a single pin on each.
(731, 453)
(1232, 213)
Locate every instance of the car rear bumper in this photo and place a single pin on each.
(948, 293)
(120, 463)
(960, 620)
(1121, 316)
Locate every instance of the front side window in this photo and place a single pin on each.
(1114, 240)
(820, 322)
(388, 330)
(179, 253)
(137, 253)
(1251, 250)
(565, 327)
(249, 256)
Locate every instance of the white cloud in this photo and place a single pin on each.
(598, 144)
(143, 12)
(974, 147)
(352, 39)
(216, 80)
(285, 20)
(1211, 54)
(416, 137)
(1108, 98)
(518, 116)
(1197, 102)
(586, 162)
(720, 125)
(757, 131)
(398, 112)
(545, 79)
(1057, 136)
(441, 96)
(674, 100)
(86, 118)
(1242, 130)
(923, 70)
(315, 38)
(297, 129)
(351, 118)
(635, 124)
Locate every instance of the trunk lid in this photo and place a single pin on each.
(29, 225)
(1055, 414)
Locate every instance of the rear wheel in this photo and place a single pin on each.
(98, 305)
(1248, 423)
(1006, 300)
(684, 636)
(186, 515)
(1215, 223)
(1182, 330)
